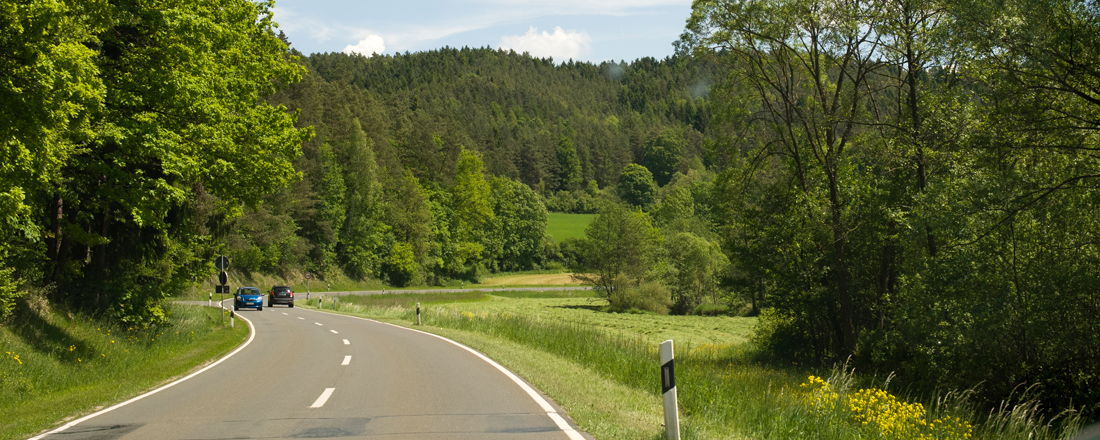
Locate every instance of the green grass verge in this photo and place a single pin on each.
(602, 369)
(562, 226)
(57, 365)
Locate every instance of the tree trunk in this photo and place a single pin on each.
(840, 270)
(54, 251)
(759, 292)
(915, 122)
(101, 259)
(888, 273)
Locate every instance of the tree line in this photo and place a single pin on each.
(117, 120)
(913, 184)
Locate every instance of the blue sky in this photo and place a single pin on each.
(588, 30)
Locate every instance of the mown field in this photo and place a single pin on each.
(58, 364)
(547, 279)
(603, 369)
(562, 226)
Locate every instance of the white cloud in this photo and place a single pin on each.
(560, 45)
(294, 24)
(583, 6)
(368, 46)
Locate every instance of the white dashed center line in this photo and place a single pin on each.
(285, 313)
(347, 360)
(324, 398)
(334, 331)
(318, 323)
(347, 342)
(301, 317)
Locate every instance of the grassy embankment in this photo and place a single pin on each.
(58, 364)
(602, 368)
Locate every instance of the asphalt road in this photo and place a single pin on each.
(309, 374)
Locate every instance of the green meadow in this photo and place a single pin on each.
(562, 226)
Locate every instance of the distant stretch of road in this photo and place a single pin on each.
(310, 374)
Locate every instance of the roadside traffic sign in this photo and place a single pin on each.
(222, 263)
(223, 278)
(309, 275)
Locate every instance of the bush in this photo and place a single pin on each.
(573, 202)
(711, 309)
(401, 268)
(649, 297)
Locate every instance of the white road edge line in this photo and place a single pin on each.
(347, 360)
(334, 332)
(550, 411)
(347, 342)
(251, 336)
(324, 398)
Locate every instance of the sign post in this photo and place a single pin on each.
(668, 389)
(222, 263)
(308, 276)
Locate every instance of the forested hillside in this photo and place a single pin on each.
(441, 165)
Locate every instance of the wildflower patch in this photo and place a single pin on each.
(818, 394)
(882, 413)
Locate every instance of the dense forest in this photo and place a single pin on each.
(908, 186)
(442, 165)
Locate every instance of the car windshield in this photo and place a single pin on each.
(250, 291)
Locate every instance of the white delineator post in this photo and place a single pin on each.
(668, 389)
(418, 313)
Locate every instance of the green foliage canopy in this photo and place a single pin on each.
(636, 186)
(618, 250)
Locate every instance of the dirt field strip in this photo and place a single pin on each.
(551, 279)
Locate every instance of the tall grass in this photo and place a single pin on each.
(57, 363)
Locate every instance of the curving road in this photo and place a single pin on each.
(309, 374)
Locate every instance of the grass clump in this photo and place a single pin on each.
(58, 364)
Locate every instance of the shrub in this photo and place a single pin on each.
(711, 309)
(649, 297)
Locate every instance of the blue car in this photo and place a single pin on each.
(247, 297)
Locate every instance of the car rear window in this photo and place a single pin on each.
(280, 289)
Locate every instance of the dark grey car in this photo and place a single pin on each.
(280, 295)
